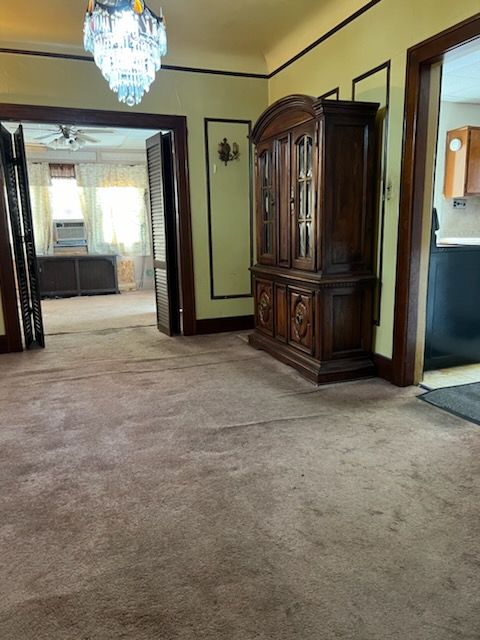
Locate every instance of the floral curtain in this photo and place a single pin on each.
(40, 182)
(88, 183)
(113, 200)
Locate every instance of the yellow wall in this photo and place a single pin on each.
(383, 33)
(43, 81)
(230, 195)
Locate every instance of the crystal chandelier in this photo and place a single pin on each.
(127, 41)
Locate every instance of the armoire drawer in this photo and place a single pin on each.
(264, 306)
(301, 319)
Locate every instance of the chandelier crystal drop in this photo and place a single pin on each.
(127, 41)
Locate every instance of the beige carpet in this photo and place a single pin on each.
(195, 489)
(94, 313)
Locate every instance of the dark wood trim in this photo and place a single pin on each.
(185, 257)
(4, 344)
(222, 325)
(12, 340)
(384, 367)
(216, 72)
(213, 296)
(328, 94)
(133, 120)
(165, 67)
(52, 115)
(46, 54)
(386, 66)
(367, 74)
(326, 36)
(419, 61)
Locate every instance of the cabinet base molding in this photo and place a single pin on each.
(317, 371)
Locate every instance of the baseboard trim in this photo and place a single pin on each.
(7, 347)
(384, 367)
(222, 325)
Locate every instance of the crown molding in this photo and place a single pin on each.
(220, 72)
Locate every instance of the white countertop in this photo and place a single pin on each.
(462, 242)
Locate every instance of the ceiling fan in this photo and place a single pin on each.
(66, 136)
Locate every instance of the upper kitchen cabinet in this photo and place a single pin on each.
(462, 166)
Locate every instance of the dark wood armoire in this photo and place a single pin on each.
(314, 278)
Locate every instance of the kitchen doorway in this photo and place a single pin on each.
(416, 207)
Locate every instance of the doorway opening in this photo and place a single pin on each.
(111, 215)
(452, 319)
(422, 98)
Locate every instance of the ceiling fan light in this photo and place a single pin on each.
(127, 41)
(63, 143)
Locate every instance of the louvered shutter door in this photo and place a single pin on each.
(163, 234)
(16, 184)
(29, 238)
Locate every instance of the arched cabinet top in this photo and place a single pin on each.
(282, 115)
(287, 113)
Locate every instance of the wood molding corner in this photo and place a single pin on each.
(384, 367)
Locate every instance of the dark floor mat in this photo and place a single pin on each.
(462, 400)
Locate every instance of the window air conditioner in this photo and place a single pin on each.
(69, 233)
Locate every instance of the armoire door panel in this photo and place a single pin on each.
(266, 203)
(301, 305)
(342, 336)
(264, 306)
(283, 198)
(281, 313)
(347, 241)
(303, 196)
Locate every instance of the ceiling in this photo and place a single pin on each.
(461, 74)
(117, 139)
(243, 28)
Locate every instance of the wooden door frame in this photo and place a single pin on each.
(131, 120)
(12, 340)
(417, 91)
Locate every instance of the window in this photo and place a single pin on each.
(123, 216)
(65, 199)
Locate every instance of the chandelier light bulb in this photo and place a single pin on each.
(127, 41)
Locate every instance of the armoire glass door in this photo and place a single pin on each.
(303, 197)
(266, 204)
